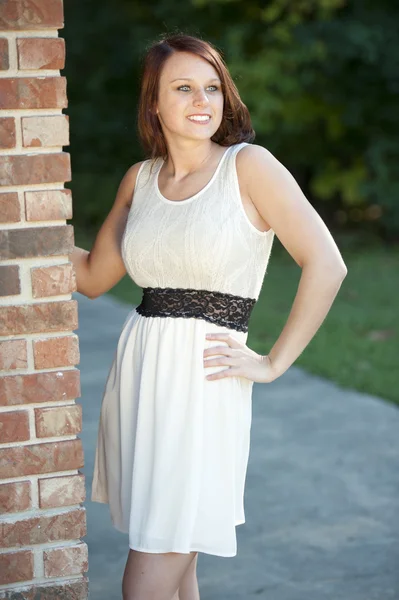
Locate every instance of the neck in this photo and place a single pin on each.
(184, 159)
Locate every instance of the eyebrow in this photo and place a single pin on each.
(191, 79)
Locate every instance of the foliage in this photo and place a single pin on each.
(320, 78)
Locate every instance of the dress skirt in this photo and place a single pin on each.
(173, 447)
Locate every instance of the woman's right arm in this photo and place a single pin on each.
(99, 269)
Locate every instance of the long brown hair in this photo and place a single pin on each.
(236, 123)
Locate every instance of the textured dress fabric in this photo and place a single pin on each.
(173, 447)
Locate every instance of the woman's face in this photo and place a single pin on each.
(190, 98)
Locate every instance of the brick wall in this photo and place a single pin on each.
(42, 519)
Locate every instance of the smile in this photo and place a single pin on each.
(199, 118)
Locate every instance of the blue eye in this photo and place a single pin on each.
(184, 88)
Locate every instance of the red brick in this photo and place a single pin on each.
(33, 92)
(58, 420)
(56, 352)
(31, 14)
(53, 386)
(4, 60)
(41, 53)
(10, 211)
(36, 241)
(26, 169)
(45, 131)
(44, 528)
(37, 459)
(62, 491)
(14, 426)
(78, 589)
(15, 497)
(54, 280)
(9, 280)
(38, 318)
(48, 205)
(16, 566)
(13, 355)
(63, 562)
(7, 132)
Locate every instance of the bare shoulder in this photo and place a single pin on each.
(254, 160)
(126, 187)
(280, 201)
(259, 171)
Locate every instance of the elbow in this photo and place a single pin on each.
(336, 271)
(92, 295)
(342, 270)
(88, 288)
(340, 274)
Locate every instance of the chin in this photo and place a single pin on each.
(206, 134)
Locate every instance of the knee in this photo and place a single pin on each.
(127, 596)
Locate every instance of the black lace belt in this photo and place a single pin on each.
(216, 307)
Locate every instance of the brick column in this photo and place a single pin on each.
(41, 488)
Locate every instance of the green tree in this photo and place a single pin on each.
(320, 78)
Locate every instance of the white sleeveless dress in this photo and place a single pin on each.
(173, 447)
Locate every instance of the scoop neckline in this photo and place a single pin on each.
(201, 191)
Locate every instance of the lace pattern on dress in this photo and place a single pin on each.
(221, 308)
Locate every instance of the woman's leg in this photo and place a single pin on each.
(188, 588)
(151, 576)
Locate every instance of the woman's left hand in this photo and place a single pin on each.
(240, 360)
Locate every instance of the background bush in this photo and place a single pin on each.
(320, 77)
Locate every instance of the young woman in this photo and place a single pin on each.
(193, 225)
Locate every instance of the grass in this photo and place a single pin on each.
(357, 345)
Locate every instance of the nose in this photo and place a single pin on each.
(200, 98)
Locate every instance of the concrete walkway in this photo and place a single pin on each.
(322, 492)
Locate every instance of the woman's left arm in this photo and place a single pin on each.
(281, 203)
